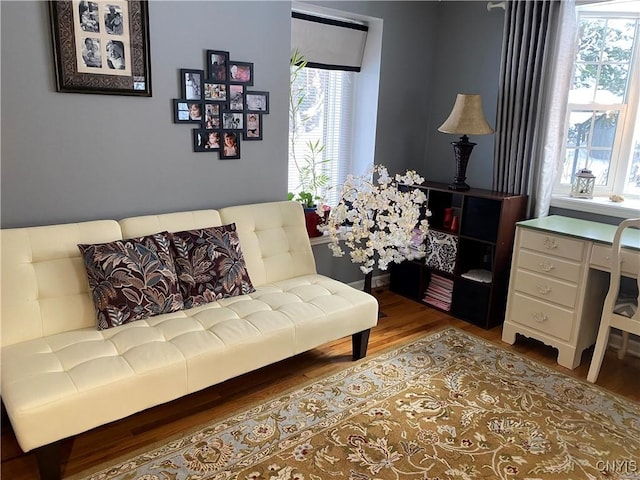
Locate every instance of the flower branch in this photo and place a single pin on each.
(385, 223)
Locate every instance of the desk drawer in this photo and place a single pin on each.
(541, 316)
(546, 288)
(601, 258)
(556, 245)
(551, 266)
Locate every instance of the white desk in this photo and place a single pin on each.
(559, 278)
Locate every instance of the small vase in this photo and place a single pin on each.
(448, 216)
(454, 224)
(312, 220)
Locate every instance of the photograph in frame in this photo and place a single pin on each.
(216, 92)
(240, 72)
(236, 97)
(217, 65)
(257, 101)
(101, 46)
(253, 129)
(230, 147)
(191, 82)
(232, 121)
(212, 116)
(206, 140)
(187, 111)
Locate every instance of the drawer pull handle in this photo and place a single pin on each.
(547, 266)
(540, 317)
(543, 289)
(550, 243)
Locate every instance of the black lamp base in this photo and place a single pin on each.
(462, 150)
(458, 186)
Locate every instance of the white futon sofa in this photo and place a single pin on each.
(62, 376)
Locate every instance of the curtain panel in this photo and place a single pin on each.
(527, 64)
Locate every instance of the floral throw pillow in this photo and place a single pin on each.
(210, 264)
(132, 279)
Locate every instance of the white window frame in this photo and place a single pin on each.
(623, 142)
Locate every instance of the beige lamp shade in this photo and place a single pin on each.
(467, 117)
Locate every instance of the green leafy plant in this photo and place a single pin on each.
(311, 162)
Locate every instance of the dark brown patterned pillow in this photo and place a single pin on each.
(210, 264)
(132, 279)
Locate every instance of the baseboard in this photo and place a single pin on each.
(376, 282)
(615, 341)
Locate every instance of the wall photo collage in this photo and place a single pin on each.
(221, 104)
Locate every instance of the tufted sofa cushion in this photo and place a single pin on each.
(44, 282)
(275, 242)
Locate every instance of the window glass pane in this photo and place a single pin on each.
(579, 128)
(320, 133)
(612, 84)
(583, 89)
(618, 45)
(591, 39)
(573, 159)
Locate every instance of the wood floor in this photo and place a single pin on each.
(404, 320)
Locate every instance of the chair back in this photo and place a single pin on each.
(625, 306)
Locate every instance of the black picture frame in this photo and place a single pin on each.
(115, 58)
(257, 102)
(240, 73)
(203, 140)
(232, 120)
(217, 65)
(225, 153)
(253, 126)
(183, 111)
(191, 84)
(215, 91)
(236, 97)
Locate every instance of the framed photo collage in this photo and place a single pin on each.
(221, 103)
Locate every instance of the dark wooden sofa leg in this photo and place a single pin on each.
(49, 459)
(359, 343)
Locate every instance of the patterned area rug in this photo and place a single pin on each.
(448, 406)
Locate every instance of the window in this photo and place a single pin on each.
(603, 124)
(320, 132)
(332, 112)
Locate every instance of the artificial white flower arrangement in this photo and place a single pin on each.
(385, 221)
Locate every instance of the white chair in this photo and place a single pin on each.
(619, 311)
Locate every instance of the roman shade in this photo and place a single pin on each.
(328, 43)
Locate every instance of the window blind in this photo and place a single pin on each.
(326, 115)
(327, 42)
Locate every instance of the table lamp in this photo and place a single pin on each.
(466, 118)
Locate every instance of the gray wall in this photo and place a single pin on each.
(71, 157)
(469, 46)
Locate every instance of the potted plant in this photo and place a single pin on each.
(307, 156)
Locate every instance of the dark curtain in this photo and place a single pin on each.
(526, 63)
